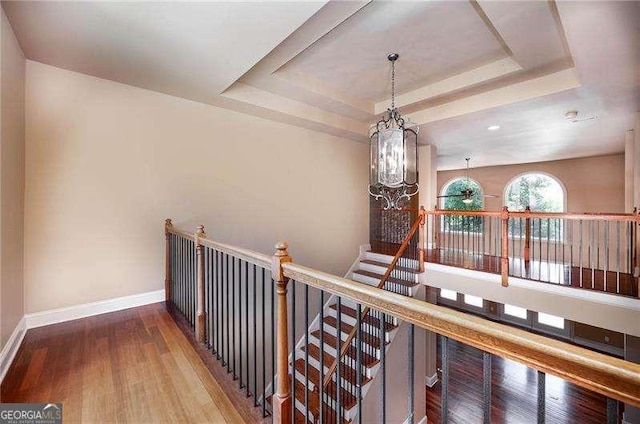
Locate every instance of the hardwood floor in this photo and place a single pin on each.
(129, 366)
(513, 393)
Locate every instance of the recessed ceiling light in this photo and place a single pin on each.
(493, 127)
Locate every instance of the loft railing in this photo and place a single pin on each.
(236, 300)
(589, 250)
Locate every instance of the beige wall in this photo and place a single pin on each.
(12, 74)
(107, 163)
(594, 184)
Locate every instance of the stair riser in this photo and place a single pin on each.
(382, 270)
(348, 414)
(387, 259)
(351, 388)
(367, 332)
(331, 350)
(368, 372)
(394, 288)
(352, 321)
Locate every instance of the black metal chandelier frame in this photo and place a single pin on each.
(395, 196)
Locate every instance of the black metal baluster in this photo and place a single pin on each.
(359, 361)
(246, 320)
(606, 252)
(212, 302)
(273, 340)
(293, 350)
(411, 371)
(264, 356)
(321, 379)
(255, 337)
(619, 267)
(338, 393)
(542, 402)
(240, 262)
(486, 385)
(306, 352)
(218, 305)
(207, 305)
(227, 316)
(444, 415)
(181, 285)
(383, 367)
(192, 279)
(612, 411)
(233, 316)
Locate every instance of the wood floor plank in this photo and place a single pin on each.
(132, 366)
(513, 393)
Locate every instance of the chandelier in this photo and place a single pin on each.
(393, 159)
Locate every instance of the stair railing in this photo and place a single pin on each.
(417, 225)
(615, 379)
(596, 251)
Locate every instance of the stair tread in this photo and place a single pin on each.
(331, 340)
(368, 361)
(369, 319)
(393, 280)
(314, 399)
(386, 265)
(347, 373)
(347, 399)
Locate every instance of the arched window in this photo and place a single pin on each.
(464, 194)
(455, 188)
(541, 192)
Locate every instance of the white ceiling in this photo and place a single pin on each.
(322, 65)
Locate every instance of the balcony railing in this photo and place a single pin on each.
(589, 251)
(252, 311)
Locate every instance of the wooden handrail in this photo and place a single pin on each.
(593, 216)
(603, 374)
(347, 343)
(246, 255)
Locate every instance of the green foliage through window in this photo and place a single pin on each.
(471, 224)
(542, 194)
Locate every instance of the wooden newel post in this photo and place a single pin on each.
(527, 237)
(200, 314)
(504, 263)
(421, 239)
(167, 260)
(436, 228)
(282, 404)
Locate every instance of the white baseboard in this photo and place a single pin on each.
(69, 313)
(11, 348)
(431, 381)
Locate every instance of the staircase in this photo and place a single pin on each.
(370, 270)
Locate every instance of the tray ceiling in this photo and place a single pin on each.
(322, 65)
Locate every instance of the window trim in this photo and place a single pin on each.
(505, 190)
(445, 187)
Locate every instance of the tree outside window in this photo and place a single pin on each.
(541, 193)
(462, 223)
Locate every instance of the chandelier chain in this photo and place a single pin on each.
(393, 85)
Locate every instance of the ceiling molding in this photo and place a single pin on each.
(542, 86)
(350, 128)
(461, 81)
